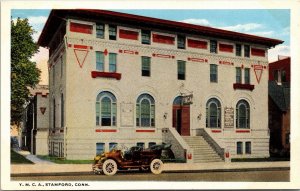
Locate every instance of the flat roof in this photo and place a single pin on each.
(57, 16)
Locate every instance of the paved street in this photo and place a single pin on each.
(255, 176)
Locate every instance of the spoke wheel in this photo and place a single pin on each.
(156, 166)
(109, 167)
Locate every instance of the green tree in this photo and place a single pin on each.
(24, 73)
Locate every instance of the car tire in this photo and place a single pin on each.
(156, 166)
(109, 167)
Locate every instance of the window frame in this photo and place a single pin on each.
(181, 42)
(218, 115)
(247, 114)
(247, 76)
(181, 74)
(248, 147)
(112, 33)
(213, 46)
(110, 63)
(247, 51)
(99, 62)
(103, 148)
(238, 78)
(143, 63)
(239, 148)
(146, 34)
(139, 118)
(103, 31)
(113, 109)
(211, 67)
(238, 50)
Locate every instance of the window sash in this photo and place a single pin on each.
(112, 62)
(213, 73)
(181, 42)
(213, 46)
(181, 70)
(238, 76)
(238, 50)
(146, 37)
(145, 113)
(112, 32)
(145, 66)
(99, 61)
(100, 147)
(239, 148)
(248, 148)
(246, 50)
(247, 76)
(100, 28)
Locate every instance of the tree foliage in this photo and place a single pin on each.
(24, 73)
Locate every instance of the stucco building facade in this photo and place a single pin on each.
(121, 79)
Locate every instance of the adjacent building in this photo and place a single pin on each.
(279, 106)
(123, 79)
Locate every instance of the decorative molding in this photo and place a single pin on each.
(243, 86)
(96, 74)
(106, 130)
(226, 63)
(258, 70)
(163, 56)
(197, 59)
(243, 131)
(145, 130)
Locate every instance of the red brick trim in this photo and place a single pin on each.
(164, 39)
(163, 56)
(225, 63)
(258, 52)
(145, 130)
(106, 130)
(81, 28)
(128, 34)
(216, 131)
(197, 44)
(226, 48)
(243, 131)
(197, 59)
(96, 74)
(243, 86)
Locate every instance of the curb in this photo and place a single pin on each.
(165, 171)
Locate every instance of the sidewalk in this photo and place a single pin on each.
(42, 167)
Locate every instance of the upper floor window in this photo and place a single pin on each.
(181, 42)
(100, 61)
(180, 70)
(213, 46)
(247, 51)
(146, 66)
(247, 75)
(106, 109)
(213, 113)
(146, 37)
(238, 50)
(145, 111)
(100, 28)
(238, 75)
(112, 32)
(213, 73)
(242, 114)
(239, 148)
(112, 62)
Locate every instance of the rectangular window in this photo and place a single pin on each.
(239, 148)
(100, 147)
(238, 76)
(112, 62)
(146, 37)
(248, 148)
(112, 32)
(140, 144)
(180, 42)
(213, 73)
(180, 70)
(112, 146)
(100, 29)
(151, 144)
(238, 50)
(246, 51)
(146, 66)
(247, 75)
(100, 61)
(213, 46)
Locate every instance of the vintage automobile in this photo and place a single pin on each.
(134, 158)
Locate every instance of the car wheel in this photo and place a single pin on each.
(156, 166)
(109, 167)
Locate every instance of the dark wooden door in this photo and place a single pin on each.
(181, 119)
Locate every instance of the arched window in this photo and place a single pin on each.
(106, 109)
(213, 113)
(242, 114)
(145, 111)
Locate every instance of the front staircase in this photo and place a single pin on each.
(203, 152)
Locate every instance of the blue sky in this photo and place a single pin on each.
(273, 23)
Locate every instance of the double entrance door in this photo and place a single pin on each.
(181, 119)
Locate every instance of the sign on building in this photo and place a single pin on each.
(228, 117)
(187, 99)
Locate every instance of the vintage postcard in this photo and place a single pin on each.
(149, 95)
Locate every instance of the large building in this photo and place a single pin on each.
(279, 106)
(122, 79)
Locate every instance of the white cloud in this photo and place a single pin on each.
(244, 27)
(263, 33)
(282, 50)
(197, 21)
(37, 20)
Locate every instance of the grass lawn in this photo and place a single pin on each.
(64, 161)
(18, 159)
